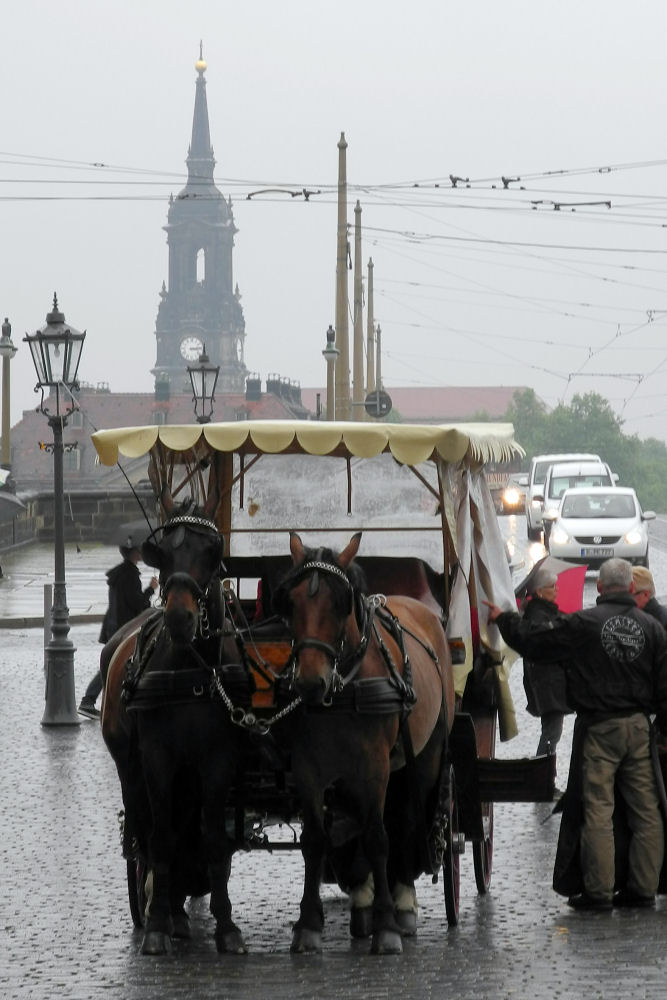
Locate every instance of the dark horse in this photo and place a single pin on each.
(368, 671)
(171, 735)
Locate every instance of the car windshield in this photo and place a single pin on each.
(599, 505)
(559, 484)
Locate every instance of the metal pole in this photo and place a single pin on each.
(370, 332)
(358, 327)
(6, 451)
(7, 351)
(60, 708)
(342, 337)
(330, 355)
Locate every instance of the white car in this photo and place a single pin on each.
(534, 483)
(597, 523)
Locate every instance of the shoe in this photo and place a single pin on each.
(585, 902)
(88, 709)
(627, 898)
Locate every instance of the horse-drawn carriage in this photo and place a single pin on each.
(357, 694)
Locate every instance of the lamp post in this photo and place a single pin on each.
(204, 378)
(56, 352)
(7, 352)
(331, 353)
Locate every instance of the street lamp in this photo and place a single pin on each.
(204, 379)
(331, 353)
(7, 352)
(56, 352)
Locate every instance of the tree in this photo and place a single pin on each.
(589, 424)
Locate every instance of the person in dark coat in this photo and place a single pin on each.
(645, 594)
(617, 678)
(126, 601)
(545, 682)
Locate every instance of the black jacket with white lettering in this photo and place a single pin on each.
(616, 655)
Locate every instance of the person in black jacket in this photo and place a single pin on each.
(126, 601)
(645, 594)
(545, 683)
(617, 677)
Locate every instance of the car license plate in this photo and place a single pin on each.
(597, 552)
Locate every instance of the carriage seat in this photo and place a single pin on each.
(406, 576)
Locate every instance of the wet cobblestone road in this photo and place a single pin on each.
(66, 931)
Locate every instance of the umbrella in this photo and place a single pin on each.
(570, 582)
(133, 534)
(10, 506)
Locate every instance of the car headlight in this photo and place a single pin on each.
(633, 537)
(559, 536)
(511, 496)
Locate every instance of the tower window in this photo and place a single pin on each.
(201, 266)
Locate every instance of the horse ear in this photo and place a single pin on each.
(350, 551)
(296, 548)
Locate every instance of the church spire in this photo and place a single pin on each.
(200, 160)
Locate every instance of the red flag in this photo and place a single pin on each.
(571, 588)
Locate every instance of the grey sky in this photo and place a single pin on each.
(472, 286)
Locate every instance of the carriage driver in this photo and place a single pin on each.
(126, 600)
(616, 664)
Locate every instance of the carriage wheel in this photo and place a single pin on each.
(450, 860)
(482, 851)
(137, 871)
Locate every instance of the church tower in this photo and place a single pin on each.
(200, 307)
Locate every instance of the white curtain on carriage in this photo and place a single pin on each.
(481, 554)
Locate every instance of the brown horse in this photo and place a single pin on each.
(376, 684)
(171, 735)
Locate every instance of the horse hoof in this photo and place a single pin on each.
(361, 921)
(306, 942)
(230, 942)
(386, 943)
(181, 923)
(156, 943)
(407, 921)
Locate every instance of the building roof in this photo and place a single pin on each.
(32, 466)
(438, 404)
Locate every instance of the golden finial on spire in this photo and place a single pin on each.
(200, 65)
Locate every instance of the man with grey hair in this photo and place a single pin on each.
(617, 677)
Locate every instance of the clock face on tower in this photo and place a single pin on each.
(191, 348)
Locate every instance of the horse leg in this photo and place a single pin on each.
(307, 934)
(406, 907)
(157, 936)
(228, 937)
(361, 908)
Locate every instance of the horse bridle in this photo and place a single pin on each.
(203, 525)
(333, 652)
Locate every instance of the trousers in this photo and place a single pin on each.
(616, 753)
(552, 730)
